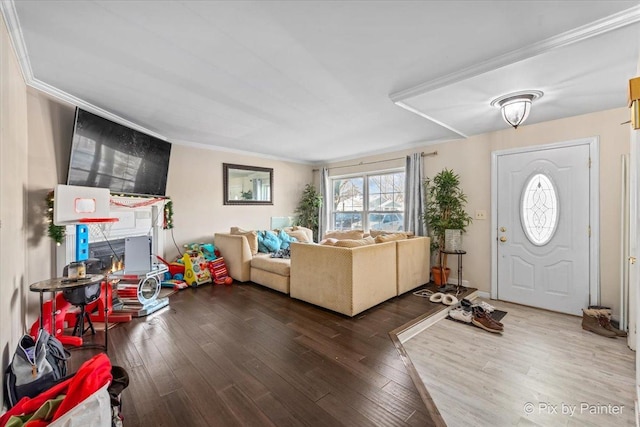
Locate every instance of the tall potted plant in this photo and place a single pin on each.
(444, 210)
(308, 209)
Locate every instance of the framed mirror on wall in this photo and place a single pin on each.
(247, 185)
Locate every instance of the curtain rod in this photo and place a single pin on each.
(423, 154)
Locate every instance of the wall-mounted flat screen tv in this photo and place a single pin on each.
(108, 155)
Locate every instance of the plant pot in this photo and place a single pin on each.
(438, 277)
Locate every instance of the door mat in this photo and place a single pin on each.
(496, 315)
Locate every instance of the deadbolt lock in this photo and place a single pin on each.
(503, 239)
(632, 259)
(503, 229)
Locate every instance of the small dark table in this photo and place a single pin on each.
(459, 253)
(60, 284)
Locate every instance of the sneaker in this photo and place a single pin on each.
(461, 315)
(483, 320)
(486, 306)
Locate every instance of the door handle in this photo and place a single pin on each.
(503, 239)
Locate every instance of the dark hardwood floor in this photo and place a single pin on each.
(244, 355)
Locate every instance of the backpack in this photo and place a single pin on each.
(35, 367)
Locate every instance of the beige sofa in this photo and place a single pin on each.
(260, 268)
(345, 280)
(352, 280)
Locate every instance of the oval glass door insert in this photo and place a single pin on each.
(539, 209)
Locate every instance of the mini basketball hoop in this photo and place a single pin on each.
(99, 228)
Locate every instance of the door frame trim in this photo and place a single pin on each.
(594, 210)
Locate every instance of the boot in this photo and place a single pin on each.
(605, 320)
(591, 322)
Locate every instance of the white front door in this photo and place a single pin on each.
(543, 234)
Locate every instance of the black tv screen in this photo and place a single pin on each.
(108, 155)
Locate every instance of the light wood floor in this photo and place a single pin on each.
(542, 362)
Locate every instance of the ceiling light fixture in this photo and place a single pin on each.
(515, 107)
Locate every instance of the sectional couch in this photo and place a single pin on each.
(350, 277)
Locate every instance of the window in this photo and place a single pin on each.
(539, 209)
(370, 201)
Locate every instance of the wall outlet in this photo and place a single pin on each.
(481, 214)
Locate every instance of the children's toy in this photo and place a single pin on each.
(139, 291)
(174, 284)
(61, 311)
(174, 267)
(219, 271)
(195, 269)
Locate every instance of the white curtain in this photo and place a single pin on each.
(325, 191)
(414, 195)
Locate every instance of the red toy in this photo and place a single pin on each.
(219, 272)
(61, 313)
(174, 267)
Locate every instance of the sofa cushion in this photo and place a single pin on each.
(354, 243)
(281, 266)
(300, 235)
(252, 238)
(328, 242)
(390, 237)
(376, 233)
(344, 234)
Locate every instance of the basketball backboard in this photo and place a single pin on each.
(71, 203)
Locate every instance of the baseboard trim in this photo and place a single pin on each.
(454, 281)
(483, 294)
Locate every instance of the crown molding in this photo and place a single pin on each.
(8, 9)
(220, 148)
(602, 26)
(17, 41)
(421, 114)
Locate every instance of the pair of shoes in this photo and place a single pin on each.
(446, 299)
(486, 306)
(598, 321)
(483, 320)
(459, 313)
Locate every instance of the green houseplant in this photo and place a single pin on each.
(444, 209)
(308, 209)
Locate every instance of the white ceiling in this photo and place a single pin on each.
(316, 81)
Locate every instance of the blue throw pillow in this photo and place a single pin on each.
(271, 241)
(261, 246)
(285, 239)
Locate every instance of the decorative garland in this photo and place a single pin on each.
(146, 202)
(168, 215)
(56, 232)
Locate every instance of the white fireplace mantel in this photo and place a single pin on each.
(132, 221)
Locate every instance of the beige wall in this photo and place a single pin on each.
(471, 158)
(13, 199)
(195, 186)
